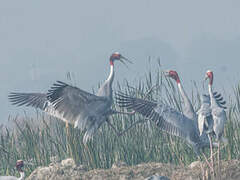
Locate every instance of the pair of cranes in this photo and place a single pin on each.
(88, 111)
(193, 127)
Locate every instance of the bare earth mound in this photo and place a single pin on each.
(67, 170)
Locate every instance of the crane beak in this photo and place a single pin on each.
(123, 58)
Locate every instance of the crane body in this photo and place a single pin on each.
(73, 105)
(212, 116)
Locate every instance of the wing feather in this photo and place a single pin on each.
(36, 100)
(150, 109)
(77, 105)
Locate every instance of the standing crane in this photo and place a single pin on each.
(217, 117)
(19, 166)
(74, 105)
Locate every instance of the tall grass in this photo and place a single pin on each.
(38, 139)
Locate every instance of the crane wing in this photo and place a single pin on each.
(207, 117)
(76, 105)
(205, 121)
(65, 102)
(219, 120)
(37, 100)
(68, 103)
(166, 118)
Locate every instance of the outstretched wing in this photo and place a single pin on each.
(36, 100)
(166, 118)
(71, 104)
(77, 106)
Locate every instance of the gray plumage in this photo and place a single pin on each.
(36, 100)
(219, 118)
(85, 110)
(205, 118)
(165, 117)
(205, 121)
(70, 104)
(73, 105)
(218, 113)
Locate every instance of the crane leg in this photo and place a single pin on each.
(209, 165)
(211, 153)
(67, 135)
(67, 128)
(219, 160)
(202, 168)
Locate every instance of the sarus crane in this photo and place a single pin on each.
(74, 105)
(168, 119)
(19, 166)
(212, 116)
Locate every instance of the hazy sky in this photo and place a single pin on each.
(40, 41)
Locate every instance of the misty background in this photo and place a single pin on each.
(40, 41)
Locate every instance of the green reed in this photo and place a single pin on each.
(38, 139)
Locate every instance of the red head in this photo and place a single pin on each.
(117, 56)
(172, 74)
(114, 56)
(19, 165)
(209, 75)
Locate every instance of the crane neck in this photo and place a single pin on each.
(210, 90)
(183, 94)
(213, 101)
(187, 103)
(178, 80)
(211, 80)
(111, 74)
(106, 88)
(22, 175)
